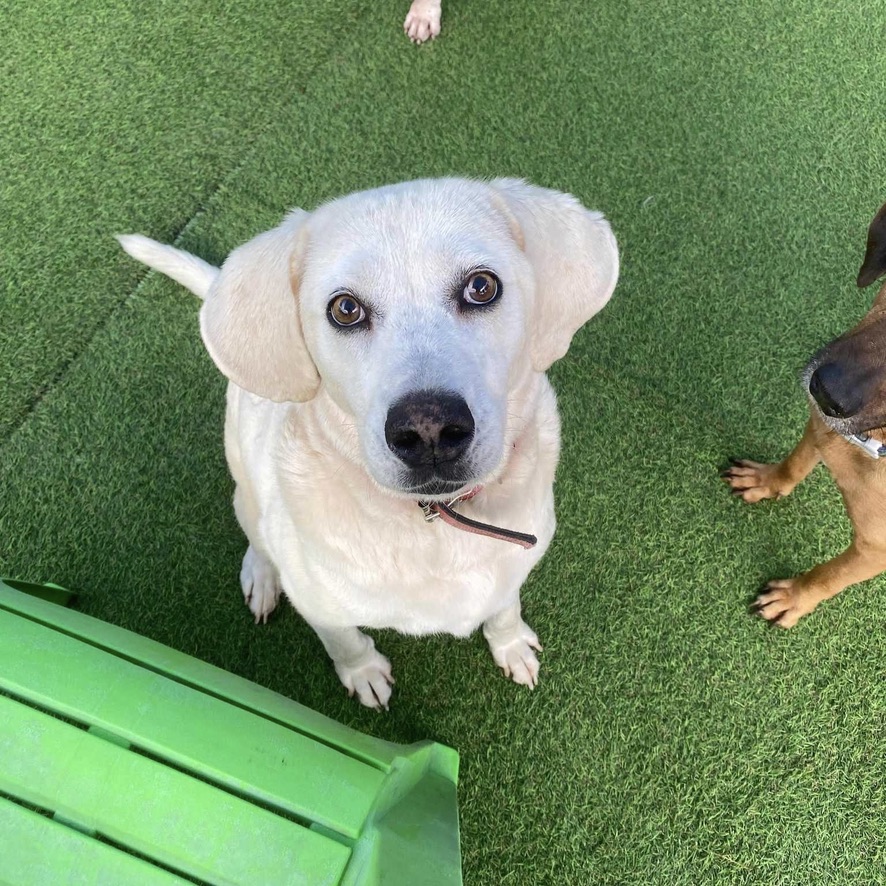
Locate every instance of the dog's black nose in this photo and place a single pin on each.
(428, 428)
(834, 393)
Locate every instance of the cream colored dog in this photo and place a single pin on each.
(389, 348)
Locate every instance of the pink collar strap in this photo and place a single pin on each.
(443, 510)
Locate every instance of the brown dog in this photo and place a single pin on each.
(846, 383)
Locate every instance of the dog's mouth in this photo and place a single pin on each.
(871, 440)
(437, 489)
(441, 482)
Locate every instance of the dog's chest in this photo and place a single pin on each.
(352, 555)
(409, 575)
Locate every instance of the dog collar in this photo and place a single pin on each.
(443, 510)
(868, 444)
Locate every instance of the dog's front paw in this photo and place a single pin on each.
(752, 481)
(785, 601)
(516, 655)
(260, 583)
(370, 679)
(423, 20)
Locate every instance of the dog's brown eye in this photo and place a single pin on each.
(344, 310)
(482, 288)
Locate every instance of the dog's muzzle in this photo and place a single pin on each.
(838, 398)
(431, 433)
(836, 394)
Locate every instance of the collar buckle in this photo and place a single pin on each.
(868, 445)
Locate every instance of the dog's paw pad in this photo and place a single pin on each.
(370, 680)
(422, 21)
(784, 602)
(260, 584)
(517, 658)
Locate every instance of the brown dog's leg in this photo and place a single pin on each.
(786, 601)
(753, 481)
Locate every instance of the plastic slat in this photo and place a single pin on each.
(202, 733)
(160, 813)
(183, 667)
(44, 848)
(410, 837)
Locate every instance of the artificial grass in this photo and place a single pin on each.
(738, 153)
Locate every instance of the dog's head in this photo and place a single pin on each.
(846, 379)
(420, 309)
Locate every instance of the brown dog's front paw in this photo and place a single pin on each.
(753, 481)
(785, 601)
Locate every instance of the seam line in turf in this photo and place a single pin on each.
(251, 151)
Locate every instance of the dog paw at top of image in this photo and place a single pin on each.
(423, 20)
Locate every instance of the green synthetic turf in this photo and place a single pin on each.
(738, 151)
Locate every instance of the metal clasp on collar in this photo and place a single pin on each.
(865, 442)
(430, 512)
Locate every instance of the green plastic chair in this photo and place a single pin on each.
(123, 761)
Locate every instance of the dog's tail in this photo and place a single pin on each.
(192, 272)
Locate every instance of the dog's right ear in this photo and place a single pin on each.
(250, 320)
(573, 255)
(874, 264)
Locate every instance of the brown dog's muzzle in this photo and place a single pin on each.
(836, 395)
(846, 379)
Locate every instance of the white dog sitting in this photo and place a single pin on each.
(386, 356)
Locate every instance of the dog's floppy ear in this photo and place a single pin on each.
(574, 255)
(874, 264)
(250, 320)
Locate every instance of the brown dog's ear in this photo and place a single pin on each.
(575, 259)
(874, 264)
(250, 320)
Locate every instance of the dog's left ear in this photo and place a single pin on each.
(251, 322)
(574, 255)
(874, 264)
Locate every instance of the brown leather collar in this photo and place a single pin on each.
(443, 510)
